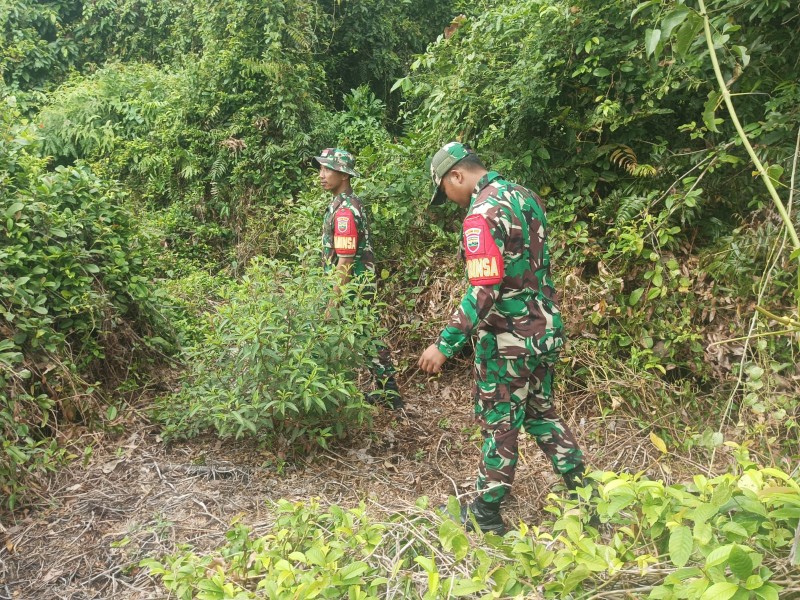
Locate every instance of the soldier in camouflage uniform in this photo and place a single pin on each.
(346, 246)
(511, 303)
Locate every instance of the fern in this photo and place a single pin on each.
(625, 158)
(218, 169)
(631, 207)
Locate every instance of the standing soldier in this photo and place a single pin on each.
(346, 246)
(511, 302)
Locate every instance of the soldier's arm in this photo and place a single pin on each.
(346, 236)
(484, 242)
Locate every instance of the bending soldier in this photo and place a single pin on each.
(511, 303)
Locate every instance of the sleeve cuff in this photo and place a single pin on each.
(447, 349)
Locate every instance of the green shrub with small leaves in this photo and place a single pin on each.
(278, 359)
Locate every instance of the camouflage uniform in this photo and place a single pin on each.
(345, 233)
(345, 225)
(511, 302)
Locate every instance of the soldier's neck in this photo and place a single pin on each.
(344, 188)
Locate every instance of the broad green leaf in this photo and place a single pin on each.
(672, 20)
(639, 8)
(316, 556)
(14, 208)
(681, 544)
(688, 33)
(703, 532)
(353, 571)
(426, 563)
(703, 513)
(719, 555)
(785, 513)
(465, 587)
(743, 54)
(601, 72)
(651, 39)
(635, 295)
(722, 493)
(774, 172)
(754, 582)
(574, 579)
(709, 111)
(398, 83)
(453, 539)
(767, 592)
(720, 591)
(740, 563)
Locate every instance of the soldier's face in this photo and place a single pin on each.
(456, 188)
(330, 180)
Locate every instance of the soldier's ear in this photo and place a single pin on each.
(456, 175)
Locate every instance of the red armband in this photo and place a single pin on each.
(484, 259)
(345, 233)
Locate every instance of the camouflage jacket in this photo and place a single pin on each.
(510, 298)
(345, 233)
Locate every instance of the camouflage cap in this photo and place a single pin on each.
(444, 160)
(338, 160)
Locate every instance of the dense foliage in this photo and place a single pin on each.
(712, 539)
(269, 366)
(157, 149)
(72, 282)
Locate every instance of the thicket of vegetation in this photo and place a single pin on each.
(150, 151)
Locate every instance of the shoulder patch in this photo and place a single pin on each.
(345, 232)
(484, 259)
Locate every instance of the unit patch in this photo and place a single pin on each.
(484, 259)
(472, 239)
(345, 234)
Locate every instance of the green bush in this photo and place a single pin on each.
(72, 280)
(710, 539)
(272, 365)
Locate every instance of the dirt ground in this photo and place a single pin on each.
(138, 497)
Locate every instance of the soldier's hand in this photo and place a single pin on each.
(431, 360)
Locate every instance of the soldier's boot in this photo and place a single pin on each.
(487, 516)
(573, 478)
(387, 393)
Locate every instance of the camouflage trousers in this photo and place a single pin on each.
(513, 395)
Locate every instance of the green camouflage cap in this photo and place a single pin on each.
(444, 160)
(338, 160)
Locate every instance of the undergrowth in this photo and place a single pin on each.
(722, 538)
(277, 359)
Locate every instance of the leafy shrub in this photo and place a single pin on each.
(72, 277)
(272, 365)
(713, 539)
